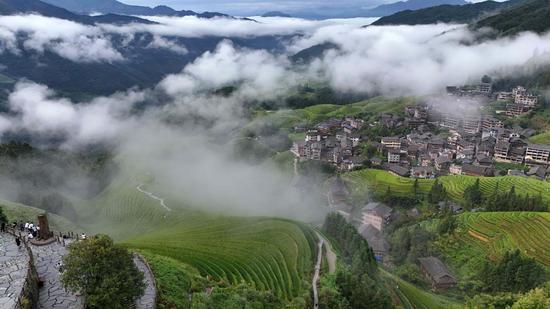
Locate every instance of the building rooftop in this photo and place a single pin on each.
(437, 270)
(379, 209)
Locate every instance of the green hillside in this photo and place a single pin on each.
(441, 13)
(270, 254)
(17, 212)
(542, 138)
(489, 234)
(530, 15)
(411, 296)
(494, 233)
(312, 115)
(377, 181)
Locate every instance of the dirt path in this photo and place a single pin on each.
(317, 273)
(151, 195)
(331, 257)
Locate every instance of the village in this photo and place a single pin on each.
(463, 140)
(457, 140)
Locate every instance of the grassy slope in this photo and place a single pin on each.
(318, 113)
(17, 212)
(411, 296)
(491, 234)
(268, 253)
(378, 181)
(543, 138)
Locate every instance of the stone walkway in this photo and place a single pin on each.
(14, 264)
(147, 301)
(52, 294)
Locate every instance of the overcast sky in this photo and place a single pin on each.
(251, 7)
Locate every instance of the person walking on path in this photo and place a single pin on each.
(17, 242)
(3, 227)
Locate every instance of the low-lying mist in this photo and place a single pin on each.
(183, 134)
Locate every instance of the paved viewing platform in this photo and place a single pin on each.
(14, 267)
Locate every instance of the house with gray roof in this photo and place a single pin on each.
(376, 214)
(437, 273)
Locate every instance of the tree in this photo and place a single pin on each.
(473, 195)
(437, 193)
(103, 272)
(538, 298)
(3, 217)
(415, 187)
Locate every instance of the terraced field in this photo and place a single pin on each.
(410, 296)
(271, 254)
(377, 181)
(495, 233)
(318, 113)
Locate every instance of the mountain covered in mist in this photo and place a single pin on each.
(444, 13)
(530, 15)
(11, 7)
(276, 14)
(391, 8)
(116, 7)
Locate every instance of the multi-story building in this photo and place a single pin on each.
(376, 214)
(536, 153)
(502, 148)
(391, 142)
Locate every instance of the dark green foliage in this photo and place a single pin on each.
(103, 272)
(356, 281)
(441, 13)
(473, 195)
(512, 273)
(330, 296)
(410, 243)
(448, 224)
(437, 193)
(511, 201)
(500, 300)
(530, 15)
(3, 217)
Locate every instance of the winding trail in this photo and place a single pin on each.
(148, 299)
(316, 275)
(151, 195)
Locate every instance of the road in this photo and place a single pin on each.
(151, 195)
(317, 272)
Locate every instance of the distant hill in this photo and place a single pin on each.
(9, 7)
(116, 7)
(314, 52)
(388, 9)
(276, 14)
(530, 15)
(443, 13)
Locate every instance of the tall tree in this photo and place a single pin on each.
(103, 272)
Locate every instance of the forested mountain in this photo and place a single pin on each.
(10, 7)
(444, 13)
(530, 15)
(392, 8)
(116, 7)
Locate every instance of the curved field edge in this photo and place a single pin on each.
(269, 254)
(377, 181)
(410, 296)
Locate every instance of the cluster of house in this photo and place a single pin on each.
(334, 141)
(371, 221)
(471, 146)
(518, 101)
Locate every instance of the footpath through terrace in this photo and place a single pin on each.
(14, 267)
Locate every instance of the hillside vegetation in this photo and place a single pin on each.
(378, 181)
(530, 15)
(442, 13)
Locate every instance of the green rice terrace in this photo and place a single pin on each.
(378, 181)
(269, 254)
(494, 233)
